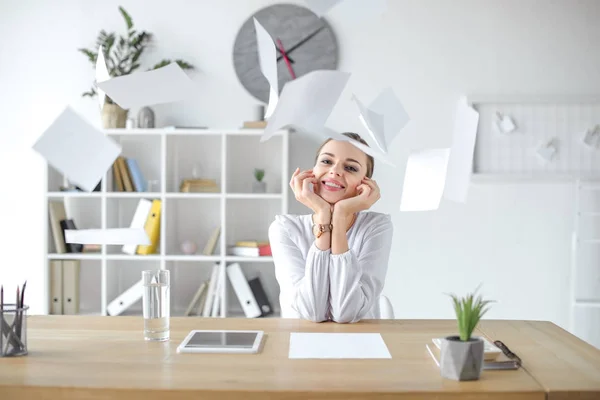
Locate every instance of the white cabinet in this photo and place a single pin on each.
(165, 158)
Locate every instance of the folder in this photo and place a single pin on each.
(152, 227)
(71, 272)
(261, 297)
(126, 299)
(57, 214)
(243, 291)
(56, 290)
(139, 220)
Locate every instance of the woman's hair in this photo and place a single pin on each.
(354, 136)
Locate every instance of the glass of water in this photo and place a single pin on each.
(156, 304)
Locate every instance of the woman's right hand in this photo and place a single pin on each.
(300, 184)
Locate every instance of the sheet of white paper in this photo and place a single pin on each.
(164, 85)
(321, 7)
(337, 345)
(307, 101)
(460, 164)
(267, 58)
(591, 137)
(547, 152)
(77, 149)
(349, 10)
(119, 236)
(373, 152)
(395, 116)
(101, 75)
(373, 123)
(424, 180)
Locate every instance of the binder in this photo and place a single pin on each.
(196, 299)
(261, 297)
(117, 178)
(56, 290)
(57, 214)
(139, 184)
(139, 220)
(71, 272)
(127, 183)
(243, 291)
(152, 227)
(126, 299)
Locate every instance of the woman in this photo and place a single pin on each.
(331, 264)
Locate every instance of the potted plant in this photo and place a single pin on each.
(122, 55)
(259, 186)
(462, 356)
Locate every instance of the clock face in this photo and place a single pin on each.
(307, 40)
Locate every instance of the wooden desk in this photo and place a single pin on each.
(80, 357)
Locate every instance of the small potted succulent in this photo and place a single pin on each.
(259, 186)
(462, 355)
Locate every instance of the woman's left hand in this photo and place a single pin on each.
(368, 194)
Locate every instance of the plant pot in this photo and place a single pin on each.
(259, 187)
(113, 116)
(461, 361)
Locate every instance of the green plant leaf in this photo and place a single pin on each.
(184, 65)
(92, 56)
(469, 310)
(126, 17)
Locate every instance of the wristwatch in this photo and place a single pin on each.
(319, 229)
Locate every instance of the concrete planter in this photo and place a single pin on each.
(113, 116)
(461, 361)
(259, 187)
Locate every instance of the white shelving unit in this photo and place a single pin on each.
(169, 156)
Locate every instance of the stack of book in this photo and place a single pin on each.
(250, 248)
(58, 224)
(198, 186)
(493, 357)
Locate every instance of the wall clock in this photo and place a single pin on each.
(307, 39)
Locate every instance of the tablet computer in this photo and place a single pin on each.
(221, 341)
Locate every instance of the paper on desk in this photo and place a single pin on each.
(163, 85)
(349, 10)
(424, 180)
(77, 149)
(460, 163)
(101, 75)
(133, 236)
(307, 102)
(267, 58)
(337, 345)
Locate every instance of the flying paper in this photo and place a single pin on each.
(351, 10)
(306, 103)
(591, 137)
(547, 151)
(163, 85)
(384, 118)
(460, 164)
(101, 75)
(424, 180)
(373, 152)
(267, 58)
(133, 236)
(503, 123)
(77, 149)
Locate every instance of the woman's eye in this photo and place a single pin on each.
(351, 168)
(325, 161)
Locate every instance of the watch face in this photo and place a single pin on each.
(307, 40)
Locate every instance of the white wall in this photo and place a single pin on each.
(513, 238)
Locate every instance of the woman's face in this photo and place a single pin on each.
(340, 168)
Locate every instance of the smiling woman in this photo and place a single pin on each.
(331, 264)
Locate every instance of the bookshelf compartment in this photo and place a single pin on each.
(186, 278)
(192, 220)
(266, 273)
(90, 293)
(193, 157)
(86, 213)
(146, 151)
(240, 168)
(119, 214)
(249, 219)
(122, 274)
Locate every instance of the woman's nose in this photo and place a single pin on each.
(335, 170)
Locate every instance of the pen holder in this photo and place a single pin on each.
(13, 336)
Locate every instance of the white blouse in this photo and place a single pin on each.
(320, 286)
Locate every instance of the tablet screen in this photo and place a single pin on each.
(244, 340)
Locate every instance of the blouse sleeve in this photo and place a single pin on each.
(303, 283)
(358, 279)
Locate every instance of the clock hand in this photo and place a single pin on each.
(279, 51)
(287, 60)
(300, 43)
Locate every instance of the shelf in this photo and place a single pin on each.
(87, 195)
(75, 256)
(178, 195)
(249, 259)
(195, 132)
(193, 257)
(133, 195)
(253, 196)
